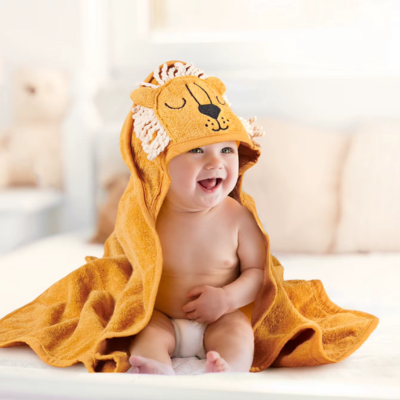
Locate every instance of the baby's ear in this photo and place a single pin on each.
(144, 96)
(216, 83)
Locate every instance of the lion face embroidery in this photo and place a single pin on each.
(184, 105)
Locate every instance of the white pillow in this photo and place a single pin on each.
(295, 185)
(370, 191)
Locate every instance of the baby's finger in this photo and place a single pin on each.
(192, 315)
(196, 291)
(189, 307)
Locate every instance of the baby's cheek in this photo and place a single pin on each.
(230, 183)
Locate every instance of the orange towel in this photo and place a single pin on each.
(89, 315)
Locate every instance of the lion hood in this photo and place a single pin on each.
(91, 314)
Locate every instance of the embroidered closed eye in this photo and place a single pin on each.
(219, 101)
(177, 108)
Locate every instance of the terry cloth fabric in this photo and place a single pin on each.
(90, 315)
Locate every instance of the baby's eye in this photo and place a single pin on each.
(198, 148)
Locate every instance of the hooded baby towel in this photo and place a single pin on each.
(90, 315)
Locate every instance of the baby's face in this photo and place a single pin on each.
(219, 161)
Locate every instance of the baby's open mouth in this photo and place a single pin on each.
(210, 183)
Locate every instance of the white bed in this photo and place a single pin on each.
(366, 282)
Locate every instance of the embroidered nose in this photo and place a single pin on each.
(210, 110)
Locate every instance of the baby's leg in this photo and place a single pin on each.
(229, 344)
(152, 346)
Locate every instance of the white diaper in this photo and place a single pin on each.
(189, 336)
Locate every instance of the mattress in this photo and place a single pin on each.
(367, 282)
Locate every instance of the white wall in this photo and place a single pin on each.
(277, 37)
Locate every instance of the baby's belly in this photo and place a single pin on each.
(171, 296)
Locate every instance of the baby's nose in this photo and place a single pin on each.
(214, 162)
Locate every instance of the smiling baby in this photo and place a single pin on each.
(213, 260)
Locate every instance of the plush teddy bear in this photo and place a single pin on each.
(30, 150)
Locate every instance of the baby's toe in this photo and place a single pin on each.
(212, 356)
(221, 365)
(136, 361)
(133, 370)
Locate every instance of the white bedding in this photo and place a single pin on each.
(365, 282)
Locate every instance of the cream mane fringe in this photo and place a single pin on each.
(145, 122)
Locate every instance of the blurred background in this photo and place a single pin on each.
(322, 77)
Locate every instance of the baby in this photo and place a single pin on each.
(213, 264)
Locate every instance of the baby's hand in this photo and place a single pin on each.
(212, 304)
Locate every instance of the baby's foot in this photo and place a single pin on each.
(142, 365)
(215, 363)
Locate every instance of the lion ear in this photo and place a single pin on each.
(216, 84)
(144, 96)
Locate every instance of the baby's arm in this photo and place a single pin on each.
(251, 252)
